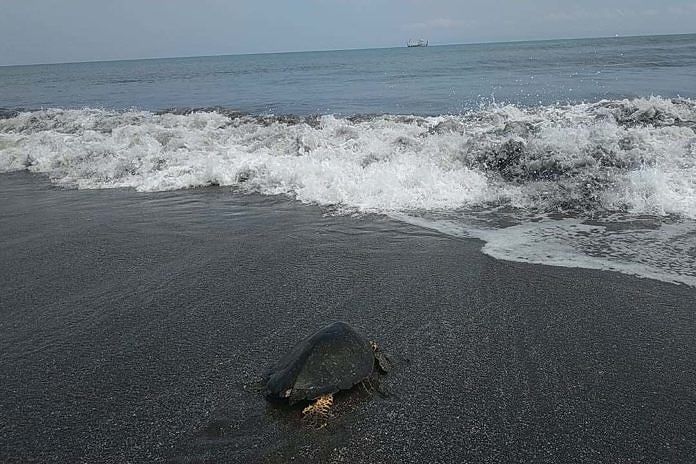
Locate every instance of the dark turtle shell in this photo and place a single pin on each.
(334, 358)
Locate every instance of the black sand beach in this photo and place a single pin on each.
(135, 328)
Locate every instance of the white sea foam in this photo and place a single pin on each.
(637, 156)
(664, 253)
(650, 248)
(375, 165)
(629, 156)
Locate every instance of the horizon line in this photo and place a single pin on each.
(218, 55)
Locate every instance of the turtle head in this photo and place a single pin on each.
(382, 361)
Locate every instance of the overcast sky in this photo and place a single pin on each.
(48, 31)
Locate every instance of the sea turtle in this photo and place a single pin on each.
(332, 359)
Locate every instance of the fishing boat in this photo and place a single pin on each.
(417, 43)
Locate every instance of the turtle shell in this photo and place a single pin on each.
(334, 358)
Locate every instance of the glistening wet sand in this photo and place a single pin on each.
(135, 327)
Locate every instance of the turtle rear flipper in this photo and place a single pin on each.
(317, 412)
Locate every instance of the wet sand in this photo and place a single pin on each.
(135, 328)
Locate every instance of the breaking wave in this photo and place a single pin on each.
(619, 158)
(631, 155)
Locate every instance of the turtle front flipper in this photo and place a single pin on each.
(318, 411)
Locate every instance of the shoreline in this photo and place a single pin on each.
(136, 327)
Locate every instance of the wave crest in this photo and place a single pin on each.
(635, 156)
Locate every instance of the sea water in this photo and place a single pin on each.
(568, 153)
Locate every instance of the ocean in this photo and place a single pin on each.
(573, 153)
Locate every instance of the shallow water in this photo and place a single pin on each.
(559, 147)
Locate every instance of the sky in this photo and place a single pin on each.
(54, 31)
